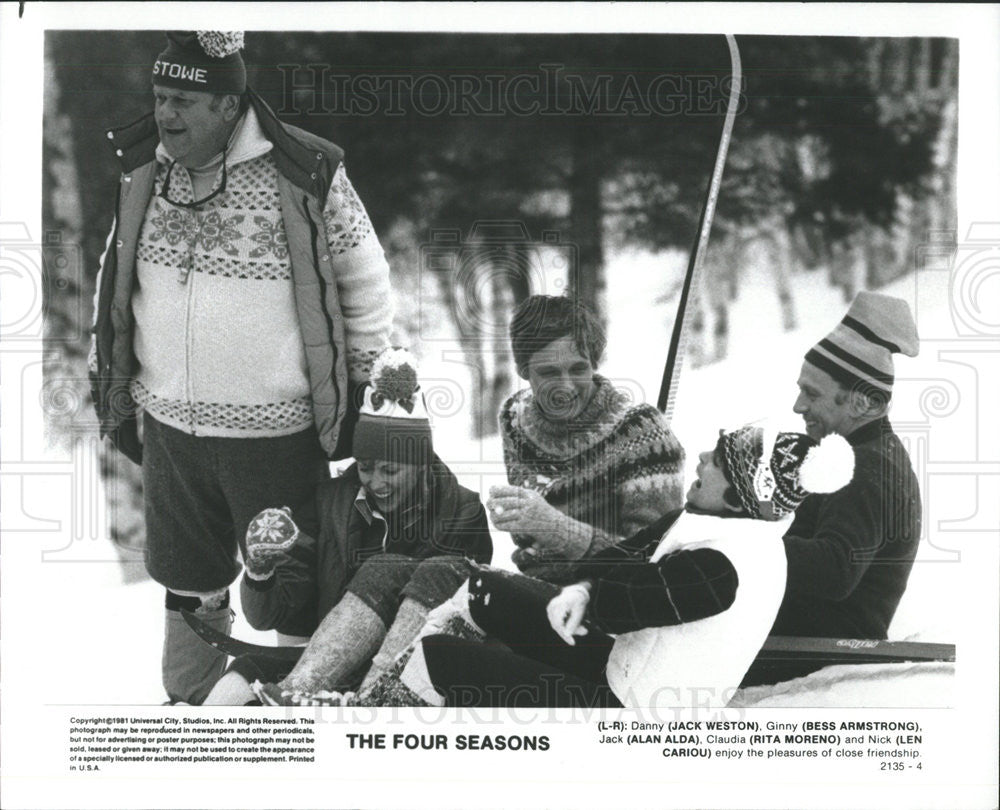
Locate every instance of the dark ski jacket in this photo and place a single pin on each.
(313, 576)
(850, 552)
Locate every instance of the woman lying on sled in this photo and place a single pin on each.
(671, 617)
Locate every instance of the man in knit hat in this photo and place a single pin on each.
(850, 552)
(242, 293)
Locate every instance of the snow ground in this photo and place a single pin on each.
(113, 630)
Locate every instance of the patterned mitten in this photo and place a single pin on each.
(269, 535)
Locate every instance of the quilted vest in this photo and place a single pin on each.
(306, 165)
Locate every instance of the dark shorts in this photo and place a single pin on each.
(201, 492)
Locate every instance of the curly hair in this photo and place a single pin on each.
(541, 319)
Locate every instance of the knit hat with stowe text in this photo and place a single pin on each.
(206, 61)
(858, 352)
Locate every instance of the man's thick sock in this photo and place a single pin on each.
(190, 666)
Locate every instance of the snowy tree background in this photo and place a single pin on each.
(840, 178)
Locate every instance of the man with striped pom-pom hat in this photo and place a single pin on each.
(850, 552)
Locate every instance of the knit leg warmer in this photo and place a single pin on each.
(190, 666)
(405, 681)
(231, 690)
(347, 637)
(409, 620)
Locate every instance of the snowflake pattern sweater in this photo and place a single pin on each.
(218, 341)
(616, 468)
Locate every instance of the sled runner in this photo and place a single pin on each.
(234, 646)
(852, 650)
(829, 651)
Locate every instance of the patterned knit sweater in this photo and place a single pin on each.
(218, 341)
(615, 468)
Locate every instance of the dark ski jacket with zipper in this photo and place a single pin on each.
(312, 577)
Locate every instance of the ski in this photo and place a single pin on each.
(234, 646)
(692, 277)
(852, 650)
(831, 651)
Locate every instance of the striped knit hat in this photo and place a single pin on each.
(858, 352)
(393, 424)
(773, 472)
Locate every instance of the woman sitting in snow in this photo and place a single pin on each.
(395, 531)
(692, 596)
(585, 468)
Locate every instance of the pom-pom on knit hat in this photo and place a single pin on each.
(774, 472)
(393, 424)
(206, 61)
(858, 352)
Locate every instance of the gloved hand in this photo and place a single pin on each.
(523, 511)
(534, 521)
(270, 534)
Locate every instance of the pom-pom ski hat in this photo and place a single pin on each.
(393, 424)
(773, 472)
(206, 61)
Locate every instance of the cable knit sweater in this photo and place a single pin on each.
(216, 296)
(616, 468)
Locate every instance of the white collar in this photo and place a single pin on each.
(246, 143)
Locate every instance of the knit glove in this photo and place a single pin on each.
(566, 611)
(269, 535)
(552, 534)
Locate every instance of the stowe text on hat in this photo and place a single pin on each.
(206, 61)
